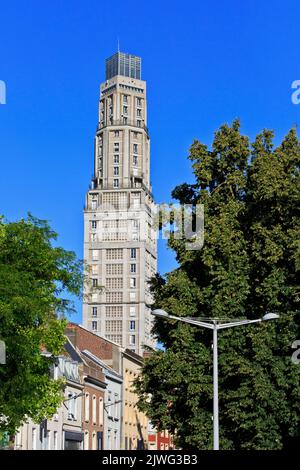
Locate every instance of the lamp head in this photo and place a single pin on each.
(270, 316)
(159, 313)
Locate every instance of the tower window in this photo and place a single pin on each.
(116, 183)
(132, 282)
(138, 112)
(125, 109)
(95, 282)
(132, 326)
(135, 148)
(94, 311)
(133, 253)
(139, 102)
(94, 325)
(125, 99)
(94, 224)
(135, 160)
(117, 133)
(132, 340)
(138, 123)
(133, 268)
(116, 171)
(116, 158)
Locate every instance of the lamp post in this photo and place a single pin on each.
(214, 324)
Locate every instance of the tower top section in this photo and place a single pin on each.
(127, 65)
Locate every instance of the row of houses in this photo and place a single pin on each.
(99, 409)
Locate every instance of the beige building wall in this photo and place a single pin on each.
(135, 423)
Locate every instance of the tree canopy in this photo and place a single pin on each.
(35, 277)
(249, 265)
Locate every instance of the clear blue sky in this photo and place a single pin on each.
(205, 63)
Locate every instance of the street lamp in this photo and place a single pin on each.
(214, 324)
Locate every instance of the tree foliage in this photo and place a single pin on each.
(249, 265)
(34, 277)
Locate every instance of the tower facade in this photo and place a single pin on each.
(119, 237)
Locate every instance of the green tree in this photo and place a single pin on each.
(34, 278)
(249, 265)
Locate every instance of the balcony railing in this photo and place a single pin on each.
(120, 122)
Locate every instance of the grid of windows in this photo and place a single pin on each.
(115, 223)
(114, 253)
(115, 199)
(113, 311)
(114, 297)
(114, 269)
(115, 339)
(113, 326)
(115, 236)
(114, 283)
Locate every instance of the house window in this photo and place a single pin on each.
(94, 410)
(133, 253)
(101, 410)
(87, 407)
(132, 325)
(34, 439)
(55, 441)
(72, 406)
(132, 340)
(116, 183)
(133, 268)
(116, 406)
(116, 171)
(94, 441)
(86, 440)
(94, 311)
(94, 325)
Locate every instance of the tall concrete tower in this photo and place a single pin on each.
(119, 238)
